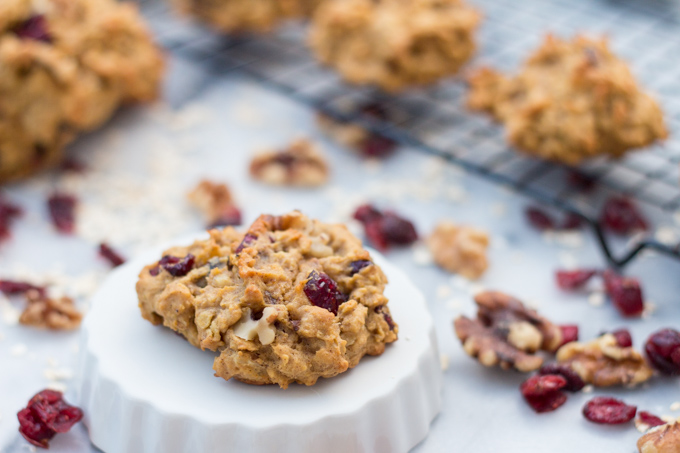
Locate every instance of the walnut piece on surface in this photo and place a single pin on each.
(299, 165)
(46, 313)
(459, 249)
(490, 349)
(214, 200)
(507, 333)
(349, 134)
(661, 439)
(603, 363)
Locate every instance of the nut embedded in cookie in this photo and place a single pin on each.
(572, 100)
(300, 164)
(459, 249)
(394, 44)
(290, 300)
(603, 362)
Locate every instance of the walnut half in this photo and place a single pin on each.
(662, 439)
(506, 333)
(603, 363)
(459, 249)
(300, 165)
(46, 313)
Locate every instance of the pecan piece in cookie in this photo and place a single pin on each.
(459, 249)
(604, 363)
(506, 333)
(661, 439)
(47, 313)
(214, 200)
(300, 164)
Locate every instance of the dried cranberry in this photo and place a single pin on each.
(177, 267)
(387, 317)
(375, 235)
(377, 146)
(608, 411)
(45, 415)
(543, 393)
(323, 292)
(623, 338)
(34, 27)
(570, 280)
(663, 351)
(230, 217)
(72, 165)
(356, 266)
(620, 216)
(569, 333)
(8, 213)
(572, 222)
(367, 213)
(574, 381)
(398, 230)
(62, 210)
(110, 255)
(12, 287)
(247, 240)
(625, 293)
(650, 420)
(539, 219)
(580, 181)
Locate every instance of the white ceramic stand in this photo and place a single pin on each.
(145, 389)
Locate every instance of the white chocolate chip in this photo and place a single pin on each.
(247, 328)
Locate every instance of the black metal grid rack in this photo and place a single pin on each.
(435, 121)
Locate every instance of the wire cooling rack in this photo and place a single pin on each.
(435, 121)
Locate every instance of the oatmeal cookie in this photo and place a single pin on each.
(394, 43)
(65, 66)
(291, 300)
(234, 16)
(571, 101)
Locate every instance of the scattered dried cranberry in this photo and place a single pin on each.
(580, 181)
(8, 213)
(572, 222)
(62, 210)
(620, 216)
(543, 393)
(356, 266)
(650, 420)
(569, 333)
(367, 213)
(623, 338)
(663, 351)
(34, 27)
(74, 166)
(247, 240)
(230, 217)
(385, 229)
(570, 280)
(539, 219)
(574, 381)
(111, 255)
(608, 411)
(45, 415)
(625, 293)
(11, 288)
(323, 292)
(377, 146)
(177, 267)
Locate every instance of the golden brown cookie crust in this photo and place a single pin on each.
(572, 100)
(235, 16)
(99, 55)
(394, 44)
(238, 277)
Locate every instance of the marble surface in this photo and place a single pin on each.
(147, 158)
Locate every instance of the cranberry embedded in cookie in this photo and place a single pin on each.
(289, 301)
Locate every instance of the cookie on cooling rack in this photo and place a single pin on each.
(291, 300)
(65, 66)
(394, 44)
(233, 16)
(571, 101)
